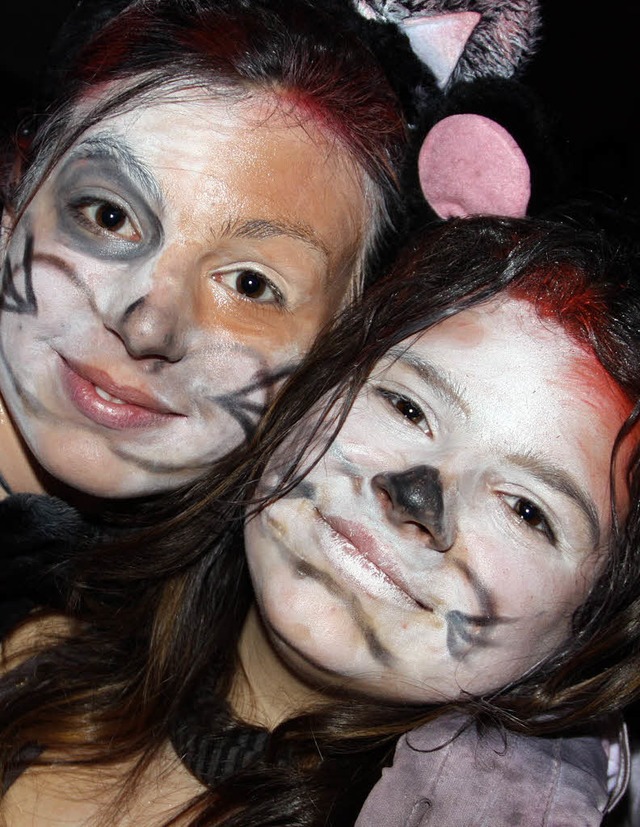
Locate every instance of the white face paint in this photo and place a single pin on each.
(178, 258)
(443, 543)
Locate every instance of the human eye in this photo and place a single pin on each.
(406, 408)
(251, 284)
(532, 516)
(105, 218)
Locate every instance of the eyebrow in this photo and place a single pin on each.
(262, 228)
(558, 479)
(433, 376)
(547, 473)
(107, 146)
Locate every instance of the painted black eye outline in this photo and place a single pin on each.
(108, 221)
(251, 285)
(405, 407)
(531, 515)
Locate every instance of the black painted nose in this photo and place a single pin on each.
(416, 496)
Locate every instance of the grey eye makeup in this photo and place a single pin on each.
(102, 211)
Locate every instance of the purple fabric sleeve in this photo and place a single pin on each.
(491, 781)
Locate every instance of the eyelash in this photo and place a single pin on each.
(92, 224)
(79, 210)
(514, 503)
(543, 527)
(278, 298)
(395, 400)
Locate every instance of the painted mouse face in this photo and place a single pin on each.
(460, 517)
(179, 258)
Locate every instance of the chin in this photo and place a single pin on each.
(104, 478)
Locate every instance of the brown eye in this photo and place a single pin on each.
(407, 408)
(533, 517)
(111, 217)
(106, 219)
(251, 284)
(529, 513)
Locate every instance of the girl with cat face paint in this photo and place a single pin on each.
(211, 184)
(446, 521)
(163, 267)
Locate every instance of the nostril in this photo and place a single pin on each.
(394, 510)
(383, 496)
(420, 532)
(420, 529)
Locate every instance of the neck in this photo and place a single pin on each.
(17, 467)
(265, 691)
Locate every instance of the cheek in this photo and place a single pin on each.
(274, 336)
(225, 373)
(365, 442)
(533, 609)
(529, 590)
(42, 289)
(295, 603)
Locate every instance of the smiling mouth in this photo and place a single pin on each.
(357, 555)
(110, 391)
(107, 396)
(98, 398)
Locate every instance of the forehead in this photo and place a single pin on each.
(505, 343)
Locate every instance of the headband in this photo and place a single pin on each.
(469, 163)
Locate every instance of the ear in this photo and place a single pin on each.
(462, 40)
(439, 40)
(6, 228)
(470, 165)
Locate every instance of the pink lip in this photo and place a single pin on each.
(365, 545)
(140, 409)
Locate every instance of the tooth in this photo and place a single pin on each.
(107, 396)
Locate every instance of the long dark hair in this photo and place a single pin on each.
(159, 617)
(301, 49)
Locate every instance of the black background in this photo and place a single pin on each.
(586, 72)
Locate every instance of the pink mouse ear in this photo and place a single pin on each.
(470, 165)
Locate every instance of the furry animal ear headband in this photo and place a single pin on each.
(469, 163)
(467, 54)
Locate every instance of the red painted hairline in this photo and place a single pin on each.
(331, 99)
(562, 295)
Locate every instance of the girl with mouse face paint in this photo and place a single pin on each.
(431, 533)
(443, 543)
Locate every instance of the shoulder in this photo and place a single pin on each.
(447, 774)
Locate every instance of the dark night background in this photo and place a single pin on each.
(586, 72)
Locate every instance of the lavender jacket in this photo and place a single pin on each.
(497, 780)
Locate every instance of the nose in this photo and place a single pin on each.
(416, 497)
(150, 328)
(154, 308)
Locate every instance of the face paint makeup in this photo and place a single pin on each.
(158, 288)
(443, 543)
